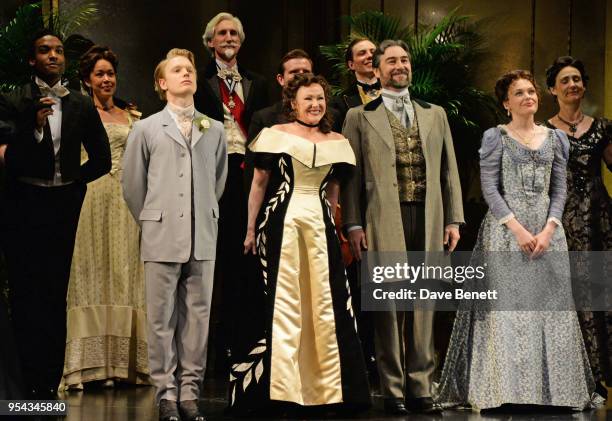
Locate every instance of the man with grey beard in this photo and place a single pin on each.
(231, 94)
(404, 195)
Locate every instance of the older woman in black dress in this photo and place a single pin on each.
(587, 215)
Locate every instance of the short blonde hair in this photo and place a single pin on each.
(209, 32)
(161, 67)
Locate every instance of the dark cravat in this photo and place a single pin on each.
(367, 88)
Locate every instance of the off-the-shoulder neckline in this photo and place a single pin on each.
(344, 139)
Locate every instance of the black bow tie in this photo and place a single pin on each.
(369, 87)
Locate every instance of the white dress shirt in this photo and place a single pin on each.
(55, 127)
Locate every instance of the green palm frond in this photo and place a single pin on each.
(68, 23)
(14, 44)
(16, 35)
(376, 26)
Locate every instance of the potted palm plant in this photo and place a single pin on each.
(15, 40)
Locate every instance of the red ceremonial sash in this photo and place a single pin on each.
(238, 109)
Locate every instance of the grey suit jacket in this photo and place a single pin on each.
(157, 174)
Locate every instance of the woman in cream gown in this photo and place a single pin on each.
(106, 338)
(300, 344)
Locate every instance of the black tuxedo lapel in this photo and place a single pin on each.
(352, 101)
(69, 116)
(31, 91)
(213, 85)
(32, 95)
(247, 84)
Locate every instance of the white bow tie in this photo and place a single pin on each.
(58, 90)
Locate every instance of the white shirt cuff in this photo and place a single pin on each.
(38, 135)
(353, 228)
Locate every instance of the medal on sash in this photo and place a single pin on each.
(231, 77)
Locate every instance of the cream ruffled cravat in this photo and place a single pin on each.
(402, 104)
(184, 118)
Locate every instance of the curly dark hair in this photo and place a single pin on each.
(290, 93)
(503, 84)
(43, 32)
(92, 56)
(559, 64)
(348, 53)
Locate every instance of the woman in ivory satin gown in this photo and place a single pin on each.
(301, 345)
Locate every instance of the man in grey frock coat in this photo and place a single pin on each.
(175, 166)
(404, 195)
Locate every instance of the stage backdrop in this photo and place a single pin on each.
(520, 34)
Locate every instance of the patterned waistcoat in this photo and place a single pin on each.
(410, 161)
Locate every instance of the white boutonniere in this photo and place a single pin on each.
(202, 123)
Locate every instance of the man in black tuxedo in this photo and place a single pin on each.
(231, 94)
(358, 58)
(42, 127)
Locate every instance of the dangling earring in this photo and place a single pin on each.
(508, 112)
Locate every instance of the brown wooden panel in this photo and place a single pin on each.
(358, 6)
(404, 9)
(551, 41)
(506, 27)
(608, 62)
(588, 44)
(265, 24)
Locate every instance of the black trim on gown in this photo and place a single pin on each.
(250, 373)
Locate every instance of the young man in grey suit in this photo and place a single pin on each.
(405, 195)
(175, 166)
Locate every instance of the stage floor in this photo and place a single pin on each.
(136, 404)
